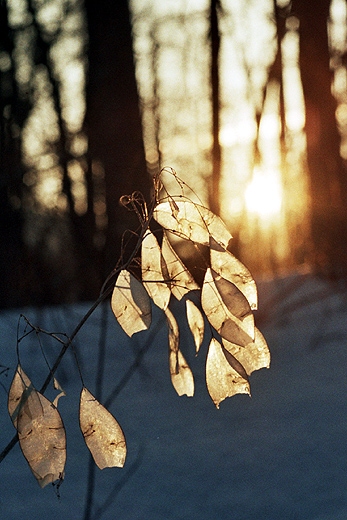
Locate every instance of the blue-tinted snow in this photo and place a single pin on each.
(281, 454)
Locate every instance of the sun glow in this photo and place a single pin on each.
(263, 195)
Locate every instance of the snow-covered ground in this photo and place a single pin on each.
(280, 455)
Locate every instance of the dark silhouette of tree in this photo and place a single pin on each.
(214, 195)
(13, 112)
(113, 120)
(327, 171)
(115, 162)
(83, 273)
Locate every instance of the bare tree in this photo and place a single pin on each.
(328, 176)
(13, 112)
(113, 115)
(214, 195)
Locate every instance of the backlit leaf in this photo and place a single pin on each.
(236, 327)
(229, 267)
(181, 281)
(102, 433)
(152, 274)
(254, 356)
(222, 380)
(43, 443)
(234, 363)
(181, 375)
(191, 221)
(196, 323)
(40, 429)
(20, 390)
(131, 304)
(236, 303)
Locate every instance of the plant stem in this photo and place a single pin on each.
(104, 294)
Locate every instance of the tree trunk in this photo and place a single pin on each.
(326, 169)
(13, 112)
(214, 196)
(113, 117)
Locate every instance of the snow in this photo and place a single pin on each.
(281, 454)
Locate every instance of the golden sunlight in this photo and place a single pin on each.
(42, 130)
(263, 194)
(261, 122)
(48, 189)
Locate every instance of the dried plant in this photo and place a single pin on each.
(153, 274)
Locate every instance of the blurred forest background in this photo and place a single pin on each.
(246, 100)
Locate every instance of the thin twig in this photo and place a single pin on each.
(104, 294)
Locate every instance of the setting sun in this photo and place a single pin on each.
(263, 194)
